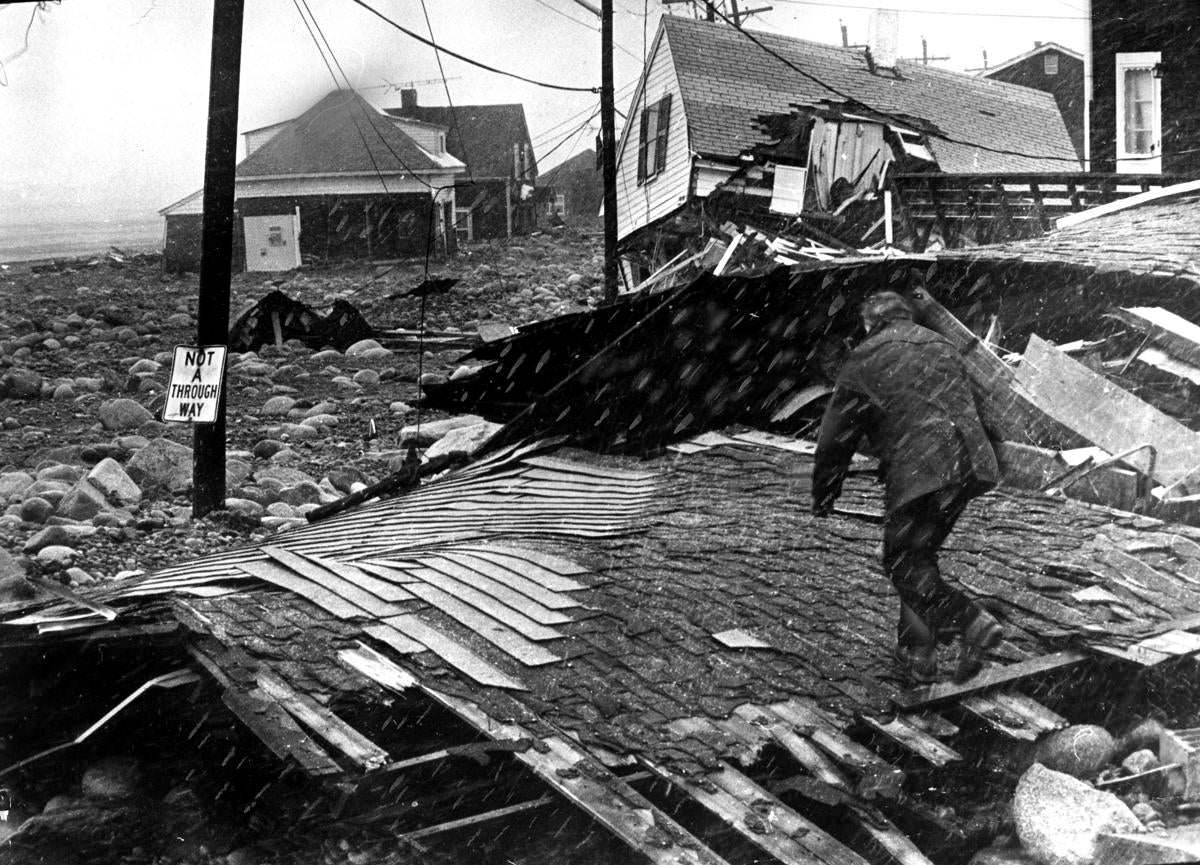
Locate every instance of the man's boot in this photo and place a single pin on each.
(981, 634)
(916, 648)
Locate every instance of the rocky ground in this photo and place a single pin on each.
(94, 487)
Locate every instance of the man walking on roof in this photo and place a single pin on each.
(905, 389)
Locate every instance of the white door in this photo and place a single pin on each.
(1139, 113)
(272, 242)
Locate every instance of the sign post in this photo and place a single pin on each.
(194, 394)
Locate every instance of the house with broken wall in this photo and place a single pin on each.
(707, 94)
(342, 180)
(494, 197)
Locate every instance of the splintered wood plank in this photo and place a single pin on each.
(454, 653)
(822, 730)
(999, 718)
(933, 724)
(914, 739)
(1035, 714)
(555, 564)
(514, 579)
(276, 729)
(988, 678)
(807, 754)
(356, 747)
(1173, 643)
(506, 639)
(284, 578)
(456, 579)
(386, 590)
(354, 594)
(389, 636)
(760, 818)
(367, 662)
(595, 790)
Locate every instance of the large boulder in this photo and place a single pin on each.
(123, 414)
(434, 430)
(163, 466)
(463, 440)
(82, 503)
(111, 479)
(1081, 750)
(361, 347)
(1059, 818)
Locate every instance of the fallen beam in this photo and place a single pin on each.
(988, 678)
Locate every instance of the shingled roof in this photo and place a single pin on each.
(728, 82)
(329, 139)
(482, 136)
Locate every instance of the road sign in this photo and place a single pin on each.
(195, 389)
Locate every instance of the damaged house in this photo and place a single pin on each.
(342, 180)
(494, 197)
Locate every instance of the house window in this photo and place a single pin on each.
(1050, 63)
(557, 206)
(462, 224)
(1139, 112)
(652, 141)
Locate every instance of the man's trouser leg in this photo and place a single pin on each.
(912, 536)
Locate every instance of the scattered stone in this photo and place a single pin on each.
(366, 378)
(463, 372)
(1145, 812)
(123, 414)
(21, 384)
(1081, 750)
(236, 471)
(361, 347)
(400, 408)
(246, 508)
(280, 477)
(57, 554)
(434, 430)
(112, 778)
(13, 484)
(298, 432)
(80, 577)
(162, 466)
(63, 393)
(1002, 856)
(267, 448)
(49, 536)
(302, 493)
(278, 406)
(1145, 734)
(1059, 818)
(344, 479)
(35, 509)
(281, 509)
(463, 440)
(110, 478)
(432, 378)
(82, 502)
(1140, 761)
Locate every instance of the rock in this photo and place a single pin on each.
(280, 477)
(278, 406)
(463, 371)
(21, 384)
(236, 471)
(1145, 812)
(302, 493)
(465, 440)
(49, 536)
(366, 378)
(111, 479)
(63, 393)
(1002, 856)
(298, 432)
(1081, 750)
(432, 378)
(112, 778)
(69, 474)
(320, 421)
(281, 510)
(343, 479)
(1143, 735)
(280, 524)
(57, 554)
(82, 502)
(162, 466)
(1140, 761)
(361, 347)
(242, 856)
(267, 448)
(345, 383)
(399, 407)
(9, 567)
(123, 414)
(35, 509)
(80, 577)
(1058, 817)
(13, 484)
(246, 508)
(144, 365)
(434, 430)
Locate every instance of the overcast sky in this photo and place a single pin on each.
(103, 113)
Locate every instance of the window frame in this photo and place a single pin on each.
(1130, 162)
(654, 130)
(1050, 59)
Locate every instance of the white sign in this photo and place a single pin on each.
(195, 389)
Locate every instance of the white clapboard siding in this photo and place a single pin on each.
(667, 191)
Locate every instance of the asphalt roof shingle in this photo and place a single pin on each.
(329, 139)
(727, 82)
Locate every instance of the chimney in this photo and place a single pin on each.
(884, 34)
(408, 99)
(1037, 43)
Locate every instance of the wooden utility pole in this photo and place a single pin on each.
(608, 138)
(208, 440)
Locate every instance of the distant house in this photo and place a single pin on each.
(1144, 115)
(573, 190)
(495, 195)
(1055, 69)
(708, 93)
(362, 184)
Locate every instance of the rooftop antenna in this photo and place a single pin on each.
(925, 58)
(845, 34)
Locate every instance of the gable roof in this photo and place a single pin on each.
(727, 82)
(328, 139)
(481, 136)
(1032, 52)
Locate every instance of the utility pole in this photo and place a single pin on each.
(608, 136)
(208, 440)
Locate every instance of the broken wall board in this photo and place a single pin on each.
(1178, 336)
(988, 678)
(1105, 414)
(276, 729)
(914, 739)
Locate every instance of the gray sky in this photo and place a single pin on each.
(104, 114)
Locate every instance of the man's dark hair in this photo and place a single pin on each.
(884, 306)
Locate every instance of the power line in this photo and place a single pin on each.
(446, 85)
(465, 59)
(957, 12)
(621, 48)
(551, 131)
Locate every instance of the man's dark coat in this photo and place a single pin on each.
(905, 388)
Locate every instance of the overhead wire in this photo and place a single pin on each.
(446, 86)
(395, 24)
(957, 12)
(585, 24)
